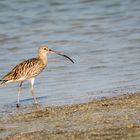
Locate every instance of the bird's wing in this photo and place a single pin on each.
(21, 70)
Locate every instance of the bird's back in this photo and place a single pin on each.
(25, 70)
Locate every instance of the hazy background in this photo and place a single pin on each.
(101, 36)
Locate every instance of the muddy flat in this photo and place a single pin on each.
(104, 119)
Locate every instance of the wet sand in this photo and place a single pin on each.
(103, 119)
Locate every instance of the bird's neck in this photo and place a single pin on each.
(43, 58)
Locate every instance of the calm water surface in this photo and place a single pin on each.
(102, 37)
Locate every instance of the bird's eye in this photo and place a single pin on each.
(45, 49)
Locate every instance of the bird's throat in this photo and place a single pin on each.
(43, 58)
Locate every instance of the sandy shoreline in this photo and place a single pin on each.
(108, 118)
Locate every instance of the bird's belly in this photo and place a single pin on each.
(21, 79)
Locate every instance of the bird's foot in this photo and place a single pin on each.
(17, 105)
(35, 103)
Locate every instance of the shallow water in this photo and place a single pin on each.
(102, 37)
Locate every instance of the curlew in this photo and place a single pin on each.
(29, 69)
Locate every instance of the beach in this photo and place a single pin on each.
(102, 119)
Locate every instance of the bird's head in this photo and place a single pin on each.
(45, 50)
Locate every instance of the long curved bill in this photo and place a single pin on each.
(56, 52)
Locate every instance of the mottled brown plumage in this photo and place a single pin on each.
(25, 70)
(29, 69)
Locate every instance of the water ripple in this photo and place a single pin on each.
(101, 36)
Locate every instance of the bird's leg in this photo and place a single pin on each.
(32, 90)
(19, 92)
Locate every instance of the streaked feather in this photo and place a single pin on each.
(25, 70)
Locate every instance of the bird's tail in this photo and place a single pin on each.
(3, 82)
